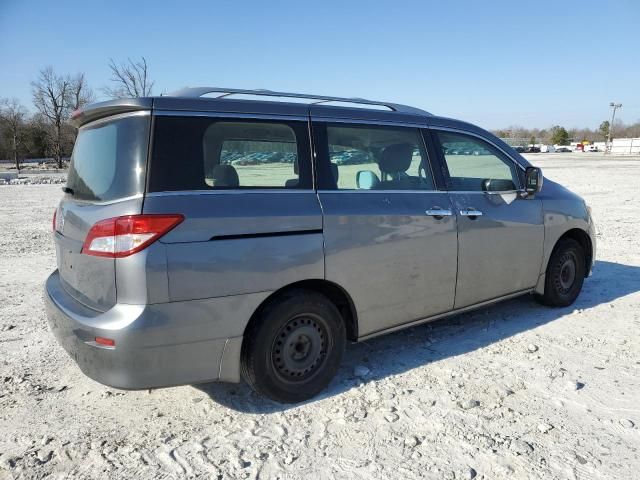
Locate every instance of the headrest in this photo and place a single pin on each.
(396, 158)
(225, 176)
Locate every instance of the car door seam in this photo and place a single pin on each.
(455, 209)
(324, 246)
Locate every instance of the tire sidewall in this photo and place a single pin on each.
(552, 294)
(258, 355)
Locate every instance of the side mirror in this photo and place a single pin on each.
(533, 180)
(367, 180)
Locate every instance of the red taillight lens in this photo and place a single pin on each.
(123, 236)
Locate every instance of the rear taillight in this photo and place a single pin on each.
(123, 236)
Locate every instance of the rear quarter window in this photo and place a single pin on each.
(199, 153)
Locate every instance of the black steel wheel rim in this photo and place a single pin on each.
(567, 272)
(300, 348)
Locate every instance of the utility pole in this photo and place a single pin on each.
(614, 106)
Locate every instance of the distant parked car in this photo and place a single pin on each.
(481, 151)
(563, 150)
(532, 150)
(519, 149)
(350, 157)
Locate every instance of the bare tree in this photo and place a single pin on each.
(131, 79)
(81, 94)
(12, 116)
(56, 97)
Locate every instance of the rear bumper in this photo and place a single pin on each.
(156, 345)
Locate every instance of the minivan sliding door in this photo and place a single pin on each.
(389, 234)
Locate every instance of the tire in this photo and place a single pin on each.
(293, 349)
(565, 274)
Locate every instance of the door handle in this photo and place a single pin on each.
(471, 212)
(438, 212)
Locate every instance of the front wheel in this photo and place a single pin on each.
(565, 274)
(293, 349)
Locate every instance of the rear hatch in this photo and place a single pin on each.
(106, 179)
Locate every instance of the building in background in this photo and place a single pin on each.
(625, 146)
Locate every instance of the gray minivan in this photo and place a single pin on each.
(214, 234)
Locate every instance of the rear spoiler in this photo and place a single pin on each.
(94, 111)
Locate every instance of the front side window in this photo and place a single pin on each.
(199, 153)
(475, 165)
(377, 158)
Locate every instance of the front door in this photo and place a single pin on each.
(390, 235)
(500, 233)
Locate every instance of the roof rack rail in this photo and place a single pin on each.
(225, 92)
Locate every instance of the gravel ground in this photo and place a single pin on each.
(512, 391)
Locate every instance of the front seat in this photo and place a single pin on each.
(335, 172)
(293, 182)
(394, 163)
(225, 176)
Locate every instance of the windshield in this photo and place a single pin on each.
(109, 159)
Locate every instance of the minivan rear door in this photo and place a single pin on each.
(106, 179)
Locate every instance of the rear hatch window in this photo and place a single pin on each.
(109, 159)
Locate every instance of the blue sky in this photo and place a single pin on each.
(495, 63)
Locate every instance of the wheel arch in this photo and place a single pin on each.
(334, 292)
(584, 240)
(579, 235)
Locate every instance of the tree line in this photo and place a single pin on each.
(558, 135)
(46, 132)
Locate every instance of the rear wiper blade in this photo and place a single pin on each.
(68, 190)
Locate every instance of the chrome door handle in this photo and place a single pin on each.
(438, 212)
(471, 213)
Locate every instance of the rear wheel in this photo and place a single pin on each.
(565, 274)
(293, 350)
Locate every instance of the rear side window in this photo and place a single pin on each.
(367, 157)
(200, 153)
(109, 158)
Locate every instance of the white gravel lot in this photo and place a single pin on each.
(516, 390)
